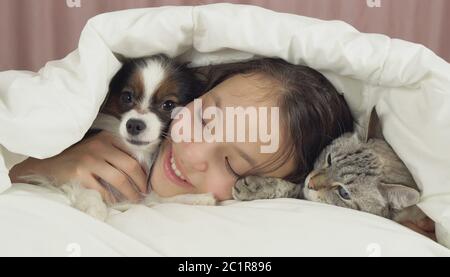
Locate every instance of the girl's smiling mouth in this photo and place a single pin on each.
(172, 170)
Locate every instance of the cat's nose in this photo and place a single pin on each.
(316, 182)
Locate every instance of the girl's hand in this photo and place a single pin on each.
(425, 226)
(100, 156)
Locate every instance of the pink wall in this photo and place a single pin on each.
(35, 31)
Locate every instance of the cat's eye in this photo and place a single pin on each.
(168, 105)
(127, 97)
(329, 160)
(343, 193)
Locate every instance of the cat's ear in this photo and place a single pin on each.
(374, 129)
(400, 196)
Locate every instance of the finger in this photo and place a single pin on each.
(92, 183)
(127, 164)
(115, 194)
(122, 159)
(117, 142)
(117, 180)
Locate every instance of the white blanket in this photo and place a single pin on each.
(36, 222)
(43, 113)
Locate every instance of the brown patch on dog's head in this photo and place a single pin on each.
(127, 81)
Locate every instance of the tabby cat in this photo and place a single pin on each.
(358, 173)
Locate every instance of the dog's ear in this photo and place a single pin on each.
(185, 64)
(121, 58)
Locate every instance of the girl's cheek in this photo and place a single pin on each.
(221, 189)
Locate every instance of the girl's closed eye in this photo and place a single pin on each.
(230, 169)
(200, 113)
(200, 116)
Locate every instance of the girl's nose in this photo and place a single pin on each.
(197, 156)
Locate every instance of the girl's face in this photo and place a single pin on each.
(215, 167)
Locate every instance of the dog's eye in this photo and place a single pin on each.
(168, 105)
(127, 97)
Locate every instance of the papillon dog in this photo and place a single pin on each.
(138, 108)
(141, 98)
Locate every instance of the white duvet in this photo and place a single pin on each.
(43, 113)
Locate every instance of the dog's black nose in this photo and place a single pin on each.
(135, 126)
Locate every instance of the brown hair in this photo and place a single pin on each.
(313, 111)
